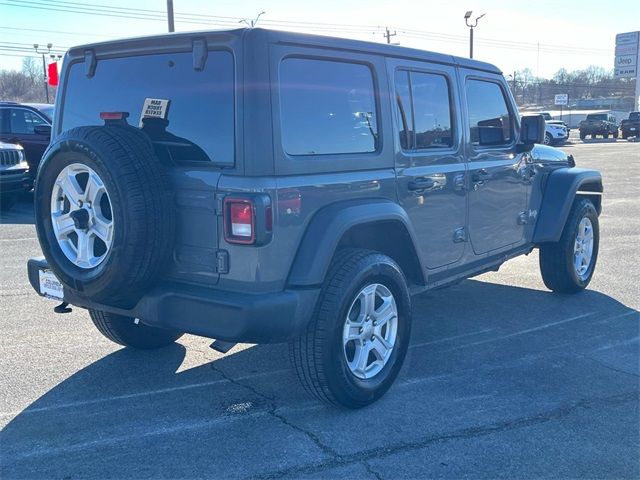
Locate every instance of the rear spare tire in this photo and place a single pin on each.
(104, 213)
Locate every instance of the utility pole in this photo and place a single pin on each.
(170, 16)
(44, 65)
(388, 34)
(467, 16)
(515, 91)
(252, 23)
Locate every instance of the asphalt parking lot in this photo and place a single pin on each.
(503, 379)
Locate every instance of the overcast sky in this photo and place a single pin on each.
(570, 34)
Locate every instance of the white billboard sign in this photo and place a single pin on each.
(626, 55)
(562, 99)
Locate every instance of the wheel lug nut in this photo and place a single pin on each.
(361, 330)
(372, 338)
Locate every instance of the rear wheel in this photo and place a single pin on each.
(583, 135)
(354, 346)
(606, 135)
(615, 134)
(127, 331)
(594, 135)
(568, 265)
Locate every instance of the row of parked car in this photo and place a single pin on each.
(25, 132)
(605, 124)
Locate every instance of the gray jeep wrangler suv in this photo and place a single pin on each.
(261, 186)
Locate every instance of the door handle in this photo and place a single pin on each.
(421, 184)
(480, 175)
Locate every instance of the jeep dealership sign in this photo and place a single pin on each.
(626, 55)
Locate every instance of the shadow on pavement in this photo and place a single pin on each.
(485, 359)
(22, 213)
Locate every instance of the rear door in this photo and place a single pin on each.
(188, 112)
(429, 161)
(499, 176)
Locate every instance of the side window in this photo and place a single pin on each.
(432, 110)
(23, 121)
(327, 107)
(405, 110)
(424, 110)
(489, 117)
(4, 120)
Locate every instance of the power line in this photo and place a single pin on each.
(206, 19)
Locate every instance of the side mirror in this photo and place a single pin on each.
(532, 129)
(42, 130)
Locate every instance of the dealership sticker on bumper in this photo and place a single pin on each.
(50, 286)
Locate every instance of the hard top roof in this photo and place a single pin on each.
(293, 38)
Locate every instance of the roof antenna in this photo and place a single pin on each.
(252, 23)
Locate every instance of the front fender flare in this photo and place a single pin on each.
(560, 191)
(328, 227)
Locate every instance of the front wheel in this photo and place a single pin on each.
(606, 135)
(354, 346)
(615, 134)
(548, 140)
(128, 332)
(568, 265)
(583, 135)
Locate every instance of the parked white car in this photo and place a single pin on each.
(555, 133)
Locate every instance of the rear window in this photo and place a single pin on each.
(197, 123)
(597, 116)
(327, 107)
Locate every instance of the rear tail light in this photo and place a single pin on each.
(240, 221)
(248, 219)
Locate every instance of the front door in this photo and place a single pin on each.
(498, 175)
(20, 128)
(429, 160)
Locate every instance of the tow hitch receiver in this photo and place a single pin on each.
(62, 308)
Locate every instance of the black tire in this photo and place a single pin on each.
(142, 211)
(624, 136)
(8, 201)
(318, 354)
(615, 134)
(583, 136)
(605, 135)
(548, 139)
(557, 259)
(594, 135)
(124, 331)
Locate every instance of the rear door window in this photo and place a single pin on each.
(424, 104)
(198, 124)
(327, 107)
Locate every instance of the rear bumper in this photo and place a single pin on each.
(230, 316)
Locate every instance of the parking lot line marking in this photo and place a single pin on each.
(446, 339)
(129, 396)
(522, 332)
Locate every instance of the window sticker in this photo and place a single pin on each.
(154, 108)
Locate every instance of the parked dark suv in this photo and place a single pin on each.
(261, 186)
(28, 125)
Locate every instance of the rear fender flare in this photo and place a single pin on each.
(330, 225)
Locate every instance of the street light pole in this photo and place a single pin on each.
(44, 66)
(170, 15)
(467, 16)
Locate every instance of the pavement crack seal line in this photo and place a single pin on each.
(463, 434)
(272, 410)
(371, 471)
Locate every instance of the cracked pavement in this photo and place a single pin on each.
(502, 379)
